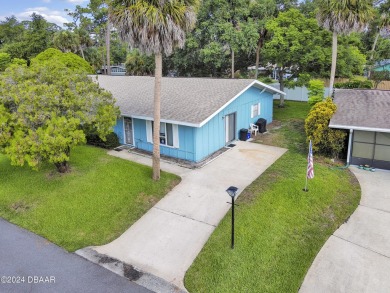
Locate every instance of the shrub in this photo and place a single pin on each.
(266, 80)
(112, 140)
(325, 140)
(354, 84)
(316, 89)
(18, 61)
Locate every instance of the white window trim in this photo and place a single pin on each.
(258, 110)
(175, 133)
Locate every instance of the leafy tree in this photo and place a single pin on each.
(46, 109)
(297, 44)
(261, 12)
(70, 60)
(379, 76)
(316, 89)
(28, 38)
(350, 61)
(11, 30)
(326, 141)
(139, 64)
(66, 41)
(154, 27)
(343, 17)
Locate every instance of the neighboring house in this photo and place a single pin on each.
(198, 115)
(115, 70)
(366, 114)
(382, 65)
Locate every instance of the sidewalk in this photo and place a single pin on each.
(167, 239)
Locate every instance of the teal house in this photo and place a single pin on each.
(199, 116)
(382, 65)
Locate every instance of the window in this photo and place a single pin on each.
(166, 134)
(169, 134)
(255, 110)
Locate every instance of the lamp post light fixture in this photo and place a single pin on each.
(232, 190)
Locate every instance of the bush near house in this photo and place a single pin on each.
(325, 140)
(111, 141)
(316, 89)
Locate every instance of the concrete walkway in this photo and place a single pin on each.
(167, 239)
(356, 258)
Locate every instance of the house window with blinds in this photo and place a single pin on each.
(169, 134)
(255, 110)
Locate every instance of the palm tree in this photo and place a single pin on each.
(384, 23)
(154, 27)
(343, 17)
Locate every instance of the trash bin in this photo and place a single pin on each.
(244, 134)
(262, 124)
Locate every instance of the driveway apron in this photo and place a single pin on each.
(356, 258)
(167, 239)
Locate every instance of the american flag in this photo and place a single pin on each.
(310, 164)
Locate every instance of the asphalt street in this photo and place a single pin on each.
(30, 263)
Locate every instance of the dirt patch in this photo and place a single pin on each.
(20, 207)
(53, 174)
(131, 273)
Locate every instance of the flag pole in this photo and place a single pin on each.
(310, 166)
(305, 189)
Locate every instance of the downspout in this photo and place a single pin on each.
(349, 146)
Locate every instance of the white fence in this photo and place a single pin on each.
(296, 94)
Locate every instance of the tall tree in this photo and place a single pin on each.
(297, 43)
(261, 11)
(343, 17)
(66, 41)
(154, 27)
(48, 108)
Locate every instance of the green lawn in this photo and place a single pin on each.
(92, 205)
(279, 228)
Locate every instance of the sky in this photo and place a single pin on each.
(51, 10)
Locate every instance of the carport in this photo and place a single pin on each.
(365, 113)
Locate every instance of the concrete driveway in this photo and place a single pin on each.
(167, 239)
(356, 258)
(30, 263)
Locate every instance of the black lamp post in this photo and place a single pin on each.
(232, 190)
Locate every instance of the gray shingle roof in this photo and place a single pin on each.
(362, 109)
(186, 100)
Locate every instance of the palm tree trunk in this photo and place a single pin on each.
(259, 45)
(372, 54)
(104, 62)
(81, 51)
(232, 63)
(334, 61)
(156, 123)
(108, 35)
(281, 87)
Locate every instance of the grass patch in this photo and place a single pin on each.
(92, 205)
(279, 228)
